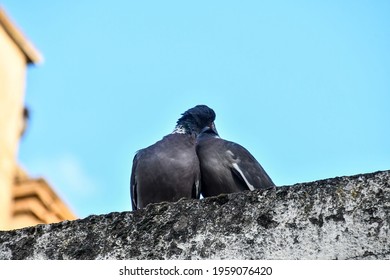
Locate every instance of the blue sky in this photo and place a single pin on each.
(303, 85)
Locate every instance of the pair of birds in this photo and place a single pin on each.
(193, 160)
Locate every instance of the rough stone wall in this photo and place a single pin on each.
(339, 218)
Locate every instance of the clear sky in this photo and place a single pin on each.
(303, 85)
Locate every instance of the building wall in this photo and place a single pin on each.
(12, 87)
(35, 202)
(24, 201)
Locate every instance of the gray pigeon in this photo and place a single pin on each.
(169, 169)
(227, 167)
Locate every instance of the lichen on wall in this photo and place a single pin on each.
(338, 218)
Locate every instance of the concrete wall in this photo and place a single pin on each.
(12, 87)
(338, 218)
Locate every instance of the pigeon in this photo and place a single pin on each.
(227, 167)
(169, 169)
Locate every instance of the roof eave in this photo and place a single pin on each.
(33, 56)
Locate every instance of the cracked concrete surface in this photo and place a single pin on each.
(338, 218)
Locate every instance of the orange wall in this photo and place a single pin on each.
(12, 87)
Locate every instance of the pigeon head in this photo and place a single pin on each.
(195, 119)
(209, 132)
